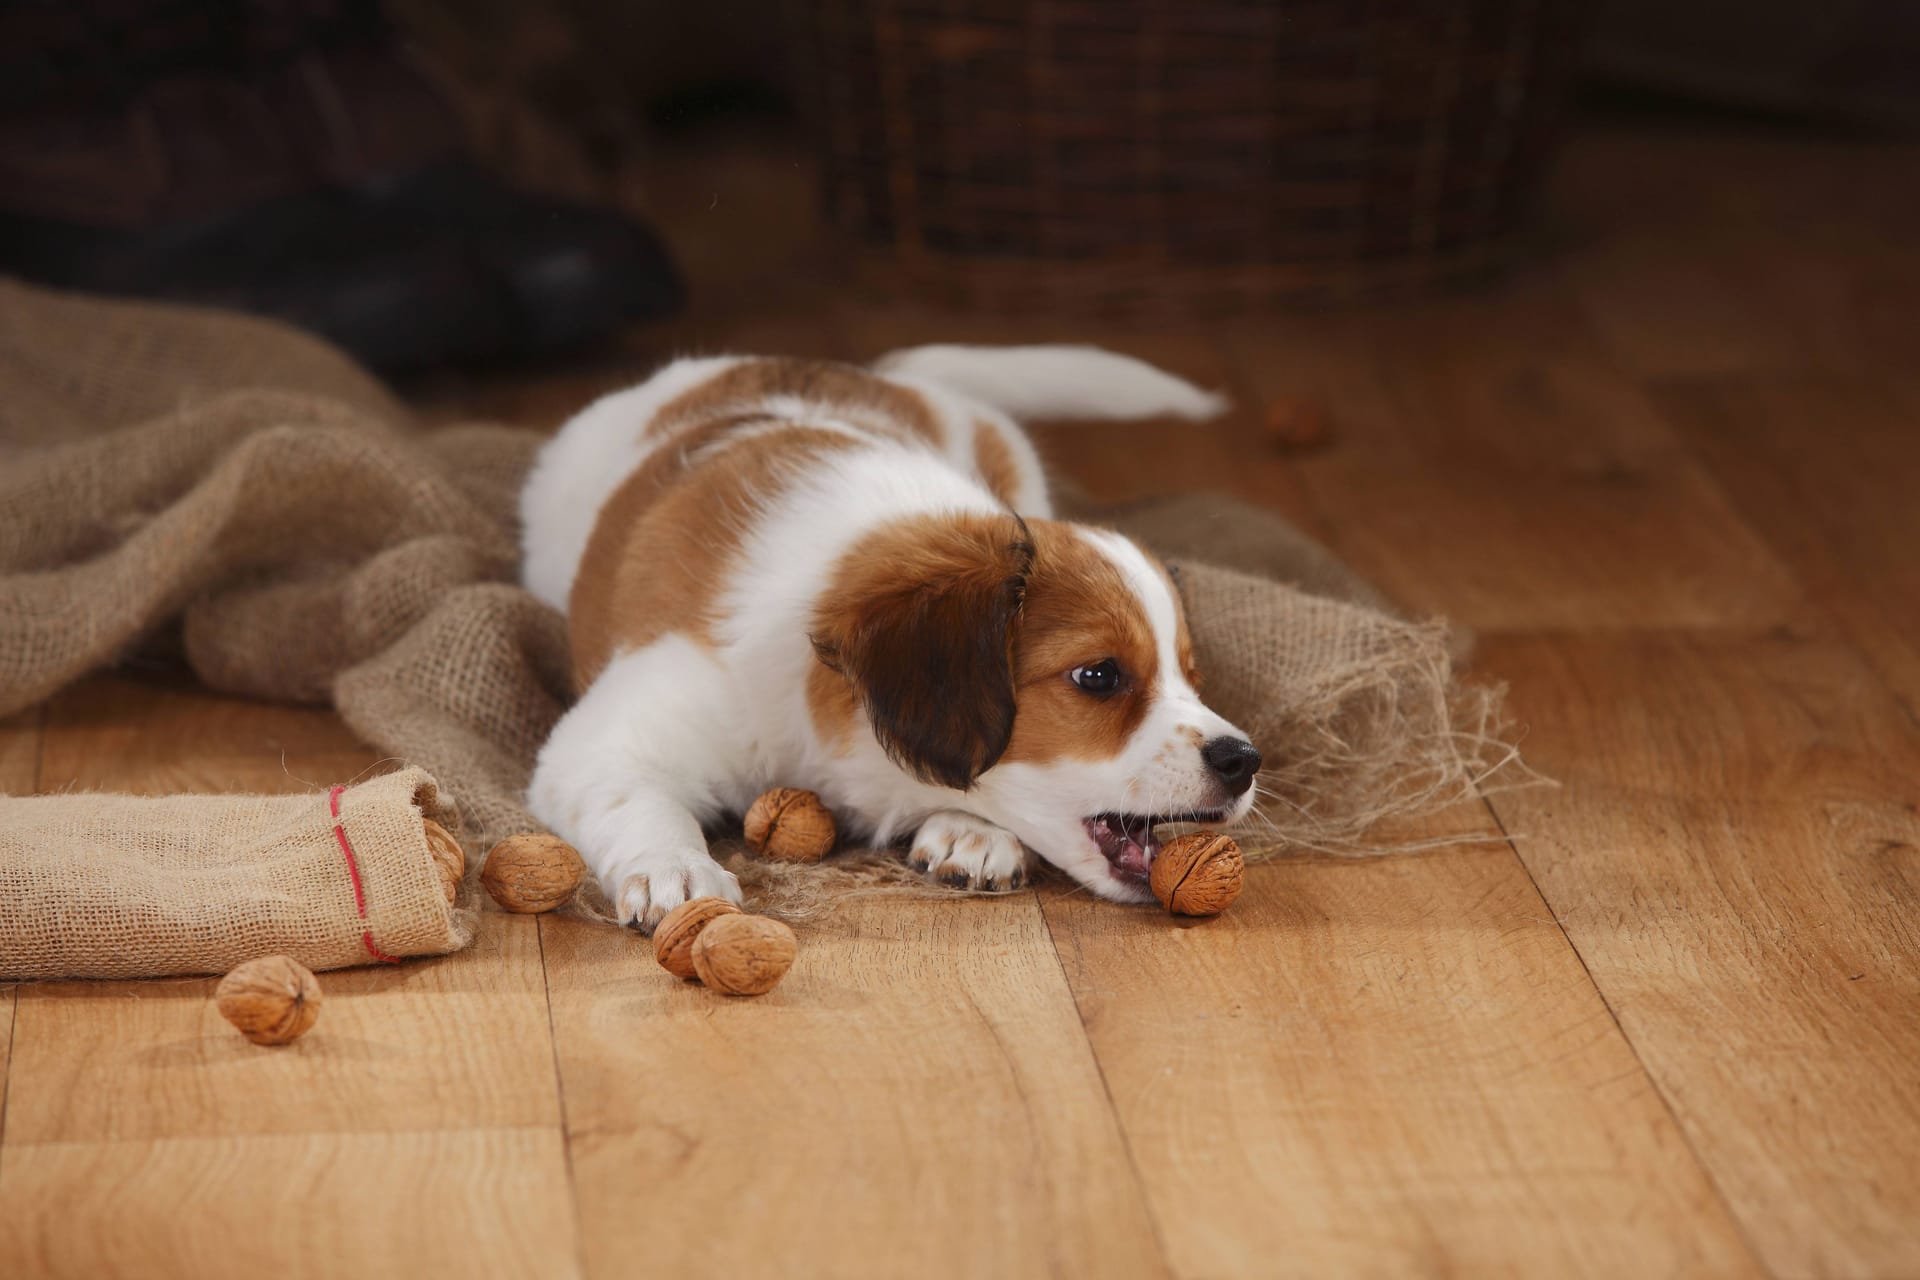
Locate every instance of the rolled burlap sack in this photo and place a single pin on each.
(110, 886)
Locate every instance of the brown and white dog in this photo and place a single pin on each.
(793, 573)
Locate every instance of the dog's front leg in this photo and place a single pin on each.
(626, 775)
(651, 856)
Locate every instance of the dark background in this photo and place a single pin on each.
(438, 184)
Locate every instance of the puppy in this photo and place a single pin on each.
(794, 573)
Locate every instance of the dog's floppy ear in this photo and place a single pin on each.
(920, 619)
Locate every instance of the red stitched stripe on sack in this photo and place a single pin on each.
(353, 874)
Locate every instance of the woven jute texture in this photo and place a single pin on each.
(243, 483)
(134, 886)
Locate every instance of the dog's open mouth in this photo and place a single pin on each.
(1127, 840)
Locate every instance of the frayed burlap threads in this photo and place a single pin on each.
(1358, 712)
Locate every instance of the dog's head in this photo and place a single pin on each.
(1043, 668)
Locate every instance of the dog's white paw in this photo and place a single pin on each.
(645, 888)
(966, 852)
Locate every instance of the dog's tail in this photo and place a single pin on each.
(1055, 381)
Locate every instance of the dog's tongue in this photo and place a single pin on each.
(1135, 858)
(1126, 842)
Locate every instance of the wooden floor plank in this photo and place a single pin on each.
(1712, 252)
(1828, 472)
(20, 752)
(1660, 301)
(19, 769)
(115, 732)
(9, 1001)
(451, 1042)
(917, 1098)
(1488, 465)
(1736, 854)
(1392, 1067)
(480, 1203)
(1762, 303)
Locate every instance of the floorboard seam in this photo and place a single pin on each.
(40, 744)
(6, 1075)
(1106, 1089)
(13, 1004)
(560, 1091)
(1843, 630)
(1646, 1072)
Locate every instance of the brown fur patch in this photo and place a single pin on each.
(993, 459)
(833, 707)
(1183, 645)
(917, 622)
(1079, 609)
(664, 545)
(841, 391)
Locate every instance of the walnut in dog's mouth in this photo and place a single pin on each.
(1128, 843)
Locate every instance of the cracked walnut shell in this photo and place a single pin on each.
(1199, 874)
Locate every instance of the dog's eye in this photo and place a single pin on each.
(1097, 677)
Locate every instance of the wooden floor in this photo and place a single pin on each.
(1664, 1019)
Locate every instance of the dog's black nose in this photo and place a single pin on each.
(1234, 761)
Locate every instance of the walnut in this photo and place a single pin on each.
(1198, 875)
(1297, 425)
(273, 1000)
(533, 872)
(447, 857)
(742, 955)
(790, 825)
(673, 937)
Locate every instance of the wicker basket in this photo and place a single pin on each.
(1140, 155)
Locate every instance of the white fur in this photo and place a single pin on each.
(578, 470)
(630, 791)
(674, 735)
(1055, 381)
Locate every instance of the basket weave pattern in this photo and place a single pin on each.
(1124, 154)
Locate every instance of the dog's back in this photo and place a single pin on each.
(959, 402)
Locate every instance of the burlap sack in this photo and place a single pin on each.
(132, 887)
(316, 546)
(73, 366)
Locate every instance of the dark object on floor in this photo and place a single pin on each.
(291, 160)
(436, 266)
